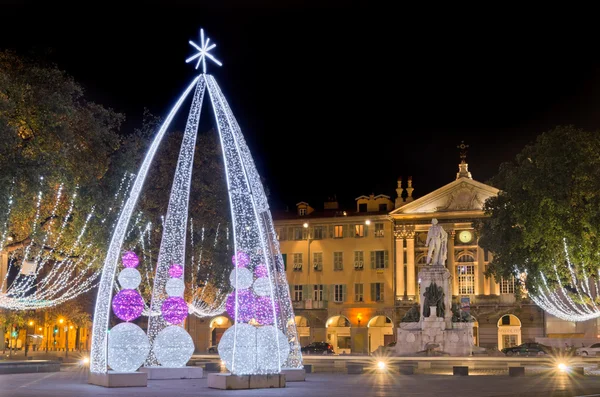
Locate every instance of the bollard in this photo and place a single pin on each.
(516, 371)
(460, 370)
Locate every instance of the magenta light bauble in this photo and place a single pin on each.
(174, 310)
(263, 310)
(130, 259)
(175, 271)
(245, 310)
(241, 259)
(128, 304)
(261, 271)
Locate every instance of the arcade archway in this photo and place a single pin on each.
(509, 331)
(338, 334)
(381, 332)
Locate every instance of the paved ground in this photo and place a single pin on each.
(72, 382)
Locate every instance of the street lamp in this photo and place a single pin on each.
(305, 225)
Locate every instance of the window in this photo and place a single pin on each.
(298, 232)
(359, 230)
(506, 320)
(358, 293)
(298, 262)
(302, 211)
(507, 285)
(466, 279)
(338, 261)
(362, 207)
(297, 293)
(359, 260)
(318, 292)
(339, 293)
(318, 233)
(284, 258)
(379, 230)
(379, 259)
(377, 292)
(338, 231)
(382, 207)
(318, 261)
(281, 235)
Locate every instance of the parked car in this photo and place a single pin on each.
(528, 349)
(589, 350)
(213, 349)
(318, 348)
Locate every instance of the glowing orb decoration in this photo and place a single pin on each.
(174, 310)
(258, 350)
(241, 259)
(175, 287)
(130, 278)
(245, 309)
(175, 271)
(128, 347)
(241, 278)
(130, 259)
(262, 286)
(263, 310)
(173, 347)
(128, 304)
(261, 271)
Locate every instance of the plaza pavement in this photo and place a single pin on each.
(72, 382)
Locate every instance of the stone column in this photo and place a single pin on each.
(479, 281)
(450, 262)
(410, 266)
(400, 286)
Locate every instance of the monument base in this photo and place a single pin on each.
(173, 373)
(119, 379)
(227, 381)
(294, 374)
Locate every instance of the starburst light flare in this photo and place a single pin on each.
(203, 52)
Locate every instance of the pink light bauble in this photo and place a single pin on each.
(130, 259)
(128, 304)
(175, 271)
(245, 309)
(174, 310)
(261, 271)
(241, 259)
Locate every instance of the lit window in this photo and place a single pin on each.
(338, 231)
(507, 285)
(377, 292)
(318, 232)
(466, 279)
(359, 230)
(302, 211)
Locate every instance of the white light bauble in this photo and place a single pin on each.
(244, 336)
(241, 278)
(128, 347)
(173, 347)
(175, 287)
(130, 278)
(262, 286)
(272, 345)
(258, 350)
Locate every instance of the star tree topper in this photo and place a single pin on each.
(203, 52)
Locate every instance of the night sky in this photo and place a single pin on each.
(335, 99)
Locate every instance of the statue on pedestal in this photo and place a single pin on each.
(437, 241)
(434, 296)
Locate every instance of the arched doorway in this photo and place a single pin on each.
(509, 331)
(338, 334)
(381, 332)
(218, 326)
(303, 329)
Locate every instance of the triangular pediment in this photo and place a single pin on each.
(464, 194)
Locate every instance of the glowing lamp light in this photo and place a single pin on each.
(30, 323)
(381, 365)
(562, 367)
(219, 321)
(130, 259)
(174, 310)
(175, 271)
(128, 304)
(241, 259)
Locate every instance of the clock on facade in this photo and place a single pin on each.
(465, 236)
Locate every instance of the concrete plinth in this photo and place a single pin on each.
(294, 374)
(173, 373)
(227, 381)
(119, 379)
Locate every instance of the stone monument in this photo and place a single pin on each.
(433, 329)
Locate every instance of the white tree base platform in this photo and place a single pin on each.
(227, 381)
(294, 374)
(173, 373)
(119, 379)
